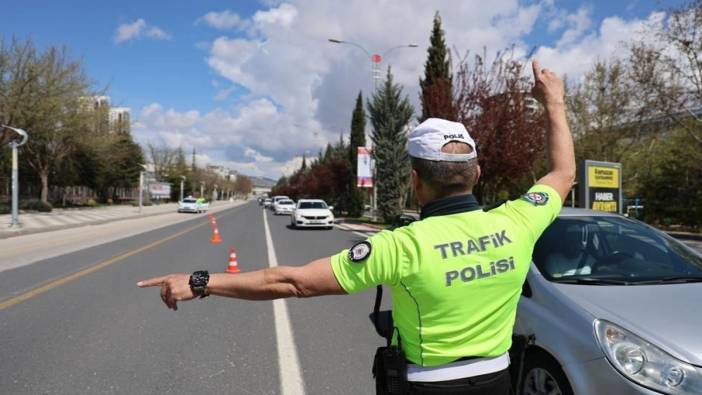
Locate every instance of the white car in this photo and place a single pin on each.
(192, 205)
(284, 206)
(276, 199)
(312, 213)
(267, 203)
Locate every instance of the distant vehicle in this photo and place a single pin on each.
(278, 198)
(284, 206)
(267, 202)
(312, 213)
(192, 205)
(613, 308)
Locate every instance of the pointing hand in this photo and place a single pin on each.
(174, 288)
(548, 88)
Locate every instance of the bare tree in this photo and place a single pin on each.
(666, 63)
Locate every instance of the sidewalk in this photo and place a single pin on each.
(44, 244)
(70, 218)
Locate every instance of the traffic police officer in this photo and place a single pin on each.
(456, 275)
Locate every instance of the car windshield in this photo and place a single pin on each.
(189, 201)
(286, 202)
(611, 250)
(304, 205)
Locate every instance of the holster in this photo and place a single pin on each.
(389, 363)
(390, 371)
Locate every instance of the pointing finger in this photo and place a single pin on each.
(536, 67)
(152, 282)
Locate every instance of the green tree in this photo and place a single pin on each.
(390, 114)
(672, 189)
(357, 139)
(358, 131)
(43, 93)
(437, 86)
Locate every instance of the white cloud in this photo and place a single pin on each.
(299, 89)
(284, 15)
(223, 20)
(137, 29)
(576, 57)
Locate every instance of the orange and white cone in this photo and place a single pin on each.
(216, 238)
(233, 266)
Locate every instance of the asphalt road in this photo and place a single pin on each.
(97, 333)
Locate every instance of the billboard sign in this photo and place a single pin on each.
(364, 169)
(160, 190)
(601, 186)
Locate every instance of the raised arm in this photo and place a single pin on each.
(314, 279)
(549, 91)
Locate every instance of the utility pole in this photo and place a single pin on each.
(14, 144)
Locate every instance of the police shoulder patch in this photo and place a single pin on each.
(359, 251)
(536, 198)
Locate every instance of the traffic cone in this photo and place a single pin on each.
(216, 238)
(233, 266)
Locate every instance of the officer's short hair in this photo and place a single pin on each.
(444, 177)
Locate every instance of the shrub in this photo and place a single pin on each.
(91, 203)
(36, 205)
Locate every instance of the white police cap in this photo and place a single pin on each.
(427, 139)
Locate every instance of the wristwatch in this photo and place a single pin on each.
(198, 283)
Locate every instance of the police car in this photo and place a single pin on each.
(312, 213)
(192, 205)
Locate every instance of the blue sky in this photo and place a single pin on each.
(255, 85)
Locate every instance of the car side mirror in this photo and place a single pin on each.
(331, 208)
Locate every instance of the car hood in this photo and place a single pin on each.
(669, 316)
(316, 212)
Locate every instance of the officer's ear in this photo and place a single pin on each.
(477, 174)
(416, 181)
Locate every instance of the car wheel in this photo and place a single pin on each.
(544, 376)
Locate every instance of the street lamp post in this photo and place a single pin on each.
(182, 181)
(375, 60)
(202, 189)
(14, 144)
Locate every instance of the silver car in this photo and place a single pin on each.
(610, 306)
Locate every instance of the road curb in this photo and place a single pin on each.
(686, 235)
(51, 228)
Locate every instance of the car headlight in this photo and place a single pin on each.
(646, 364)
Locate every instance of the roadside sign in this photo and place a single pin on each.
(363, 169)
(601, 186)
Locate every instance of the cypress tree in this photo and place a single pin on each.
(390, 114)
(437, 86)
(356, 139)
(358, 132)
(304, 162)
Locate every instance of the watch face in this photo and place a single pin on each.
(199, 278)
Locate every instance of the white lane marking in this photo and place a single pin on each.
(288, 364)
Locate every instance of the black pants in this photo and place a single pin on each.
(488, 384)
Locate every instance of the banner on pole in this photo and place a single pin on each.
(363, 169)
